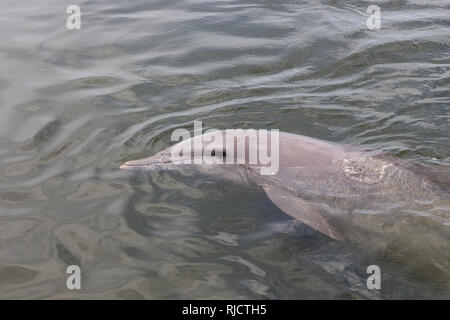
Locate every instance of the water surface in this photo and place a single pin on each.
(75, 104)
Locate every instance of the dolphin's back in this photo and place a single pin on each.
(302, 151)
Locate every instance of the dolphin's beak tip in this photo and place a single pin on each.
(134, 164)
(125, 166)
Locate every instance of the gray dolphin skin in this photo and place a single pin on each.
(333, 188)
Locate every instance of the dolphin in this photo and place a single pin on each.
(333, 188)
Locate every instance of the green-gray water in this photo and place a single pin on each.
(75, 104)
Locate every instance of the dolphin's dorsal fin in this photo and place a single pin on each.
(301, 210)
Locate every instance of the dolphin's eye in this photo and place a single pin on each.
(219, 153)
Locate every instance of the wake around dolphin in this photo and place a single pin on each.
(332, 188)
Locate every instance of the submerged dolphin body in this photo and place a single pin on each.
(330, 187)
